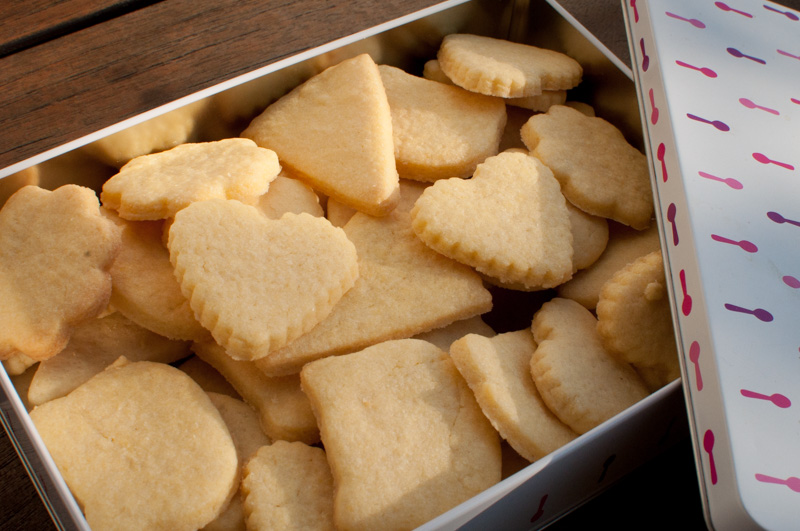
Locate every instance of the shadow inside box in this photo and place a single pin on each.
(661, 494)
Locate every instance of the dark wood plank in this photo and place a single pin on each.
(26, 23)
(64, 89)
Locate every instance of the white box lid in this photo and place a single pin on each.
(719, 90)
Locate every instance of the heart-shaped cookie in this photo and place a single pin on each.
(509, 222)
(254, 282)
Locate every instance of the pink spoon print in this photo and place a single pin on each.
(693, 21)
(740, 55)
(794, 100)
(776, 398)
(660, 153)
(708, 446)
(725, 7)
(635, 11)
(672, 210)
(759, 313)
(733, 183)
(702, 69)
(787, 14)
(686, 305)
(763, 159)
(787, 54)
(540, 511)
(791, 482)
(751, 105)
(722, 126)
(779, 219)
(645, 58)
(747, 246)
(791, 281)
(694, 357)
(654, 112)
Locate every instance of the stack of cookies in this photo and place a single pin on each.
(296, 328)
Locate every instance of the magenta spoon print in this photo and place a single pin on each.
(635, 11)
(776, 398)
(694, 357)
(733, 183)
(722, 126)
(660, 153)
(759, 313)
(779, 219)
(702, 69)
(654, 112)
(708, 446)
(752, 105)
(725, 7)
(672, 210)
(787, 54)
(795, 100)
(736, 53)
(747, 246)
(540, 511)
(791, 482)
(787, 14)
(792, 282)
(686, 305)
(693, 21)
(763, 159)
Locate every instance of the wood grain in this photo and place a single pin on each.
(66, 88)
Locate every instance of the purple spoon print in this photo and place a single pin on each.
(736, 53)
(776, 398)
(787, 14)
(747, 246)
(722, 126)
(702, 69)
(733, 183)
(693, 21)
(791, 482)
(759, 313)
(779, 219)
(763, 159)
(787, 54)
(645, 57)
(672, 210)
(725, 7)
(752, 105)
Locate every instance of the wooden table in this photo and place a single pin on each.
(72, 67)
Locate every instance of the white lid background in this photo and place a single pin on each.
(720, 90)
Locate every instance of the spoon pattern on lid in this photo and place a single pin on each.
(709, 80)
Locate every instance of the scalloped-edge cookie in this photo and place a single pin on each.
(335, 133)
(509, 222)
(599, 171)
(254, 282)
(404, 288)
(56, 249)
(157, 186)
(288, 486)
(578, 379)
(287, 194)
(497, 67)
(634, 318)
(398, 419)
(128, 445)
(440, 131)
(497, 370)
(624, 246)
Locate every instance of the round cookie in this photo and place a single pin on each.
(127, 445)
(579, 381)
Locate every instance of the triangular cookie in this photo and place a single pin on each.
(335, 132)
